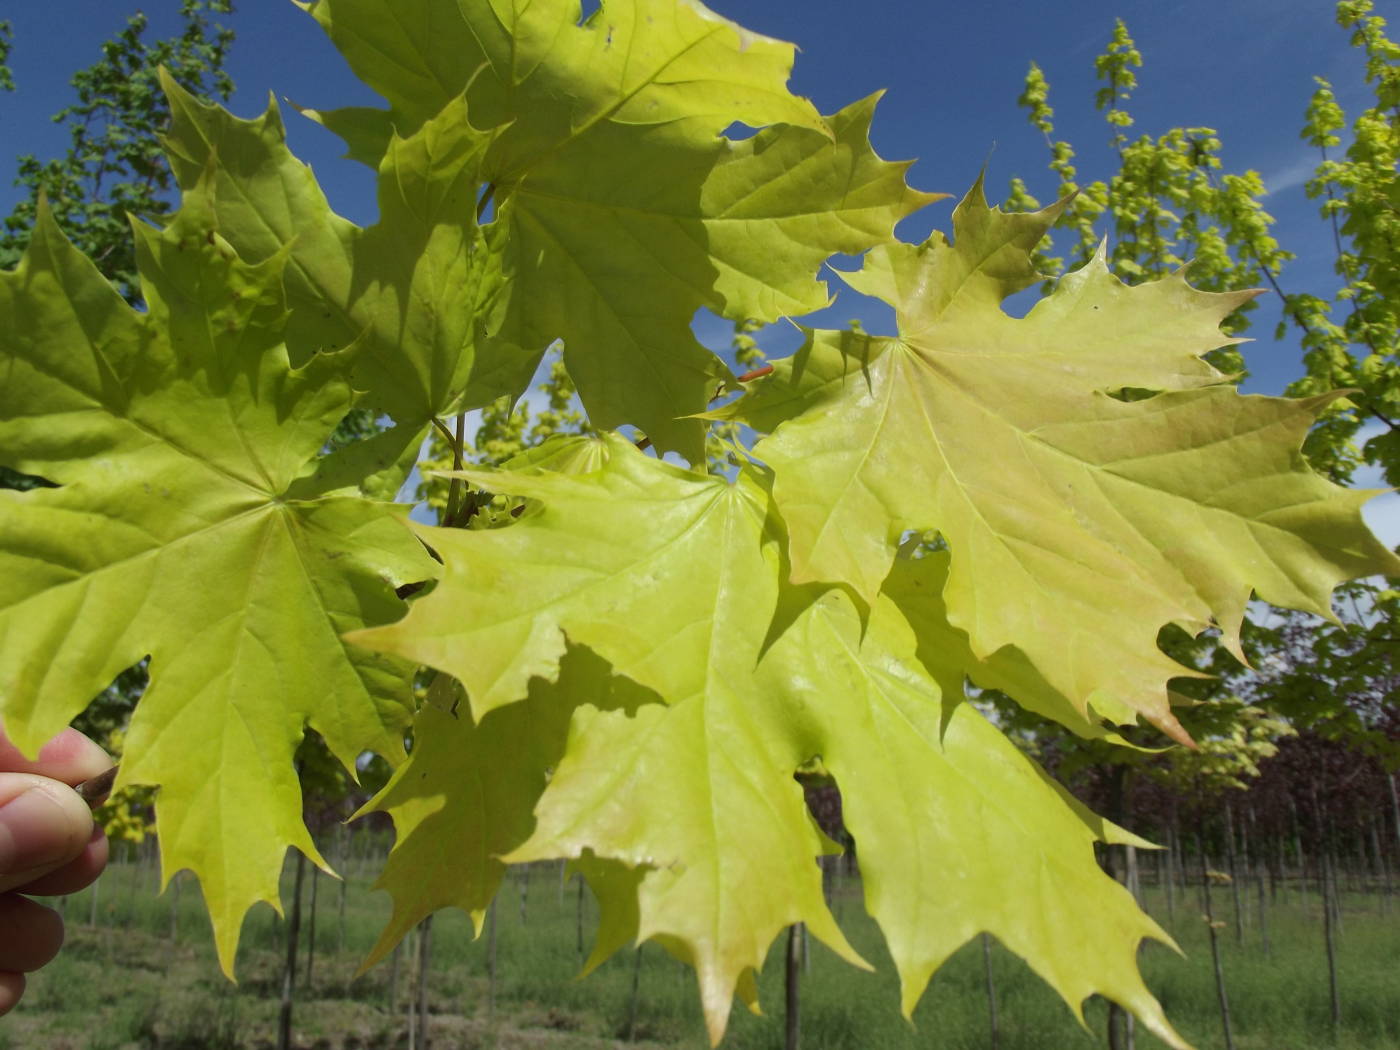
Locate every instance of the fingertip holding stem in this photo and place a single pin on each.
(43, 825)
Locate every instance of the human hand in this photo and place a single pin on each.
(48, 845)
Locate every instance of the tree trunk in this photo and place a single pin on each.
(995, 1043)
(1298, 858)
(394, 961)
(289, 969)
(1330, 909)
(1388, 888)
(311, 928)
(630, 1028)
(1234, 873)
(425, 940)
(1278, 871)
(491, 956)
(175, 883)
(1263, 902)
(344, 861)
(1394, 810)
(133, 859)
(1121, 1034)
(792, 1018)
(414, 940)
(1171, 858)
(1329, 933)
(578, 923)
(1221, 996)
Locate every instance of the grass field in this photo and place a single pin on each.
(144, 976)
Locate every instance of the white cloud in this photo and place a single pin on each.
(1290, 176)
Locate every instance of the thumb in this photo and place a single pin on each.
(43, 826)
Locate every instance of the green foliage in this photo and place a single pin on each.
(1339, 680)
(635, 656)
(114, 167)
(1023, 452)
(1168, 203)
(1350, 338)
(7, 36)
(1229, 751)
(176, 436)
(1170, 200)
(705, 580)
(114, 126)
(594, 143)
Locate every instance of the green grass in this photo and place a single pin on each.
(145, 977)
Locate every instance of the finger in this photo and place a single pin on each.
(77, 873)
(43, 826)
(69, 757)
(30, 934)
(11, 988)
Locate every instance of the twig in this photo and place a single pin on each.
(454, 491)
(442, 429)
(95, 790)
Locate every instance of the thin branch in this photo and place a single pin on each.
(442, 429)
(454, 491)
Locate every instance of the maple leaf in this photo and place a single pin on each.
(672, 577)
(174, 437)
(675, 580)
(916, 585)
(1106, 518)
(638, 61)
(959, 831)
(406, 289)
(620, 209)
(636, 533)
(467, 792)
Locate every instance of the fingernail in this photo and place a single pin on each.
(34, 831)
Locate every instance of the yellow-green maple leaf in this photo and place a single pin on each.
(174, 437)
(675, 580)
(620, 209)
(959, 832)
(1080, 523)
(672, 577)
(407, 290)
(916, 586)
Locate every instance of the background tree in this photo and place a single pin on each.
(114, 166)
(1351, 337)
(1171, 200)
(7, 80)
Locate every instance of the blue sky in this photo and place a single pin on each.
(951, 70)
